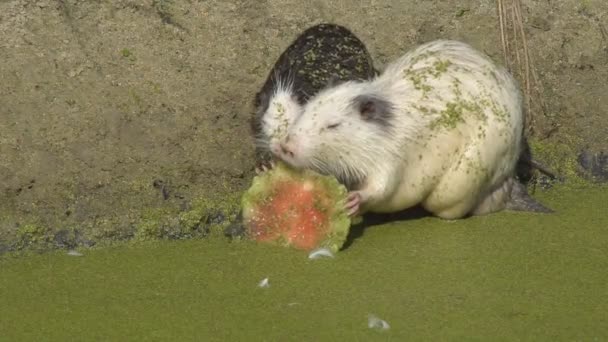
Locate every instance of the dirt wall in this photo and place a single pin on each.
(114, 113)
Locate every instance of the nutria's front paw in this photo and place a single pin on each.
(265, 166)
(353, 203)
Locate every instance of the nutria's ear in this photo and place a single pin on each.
(374, 108)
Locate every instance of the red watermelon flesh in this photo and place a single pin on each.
(290, 213)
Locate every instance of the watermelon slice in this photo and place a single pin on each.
(296, 208)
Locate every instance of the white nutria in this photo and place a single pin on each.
(441, 127)
(321, 55)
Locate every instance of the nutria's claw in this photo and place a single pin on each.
(265, 167)
(353, 203)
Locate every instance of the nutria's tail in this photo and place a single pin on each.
(520, 200)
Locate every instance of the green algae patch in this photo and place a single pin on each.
(296, 208)
(204, 217)
(198, 218)
(561, 158)
(508, 276)
(33, 235)
(152, 224)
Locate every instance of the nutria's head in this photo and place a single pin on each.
(341, 131)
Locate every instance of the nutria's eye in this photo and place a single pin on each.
(332, 126)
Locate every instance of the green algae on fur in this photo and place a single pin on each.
(450, 116)
(440, 67)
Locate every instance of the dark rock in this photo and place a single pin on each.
(64, 239)
(216, 218)
(595, 165)
(235, 230)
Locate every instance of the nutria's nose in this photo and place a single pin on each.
(286, 150)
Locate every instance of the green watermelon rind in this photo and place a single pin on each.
(339, 221)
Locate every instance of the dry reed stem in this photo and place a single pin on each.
(503, 39)
(517, 57)
(519, 21)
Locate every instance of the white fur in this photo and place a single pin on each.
(283, 109)
(451, 167)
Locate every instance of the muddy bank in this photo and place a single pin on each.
(119, 116)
